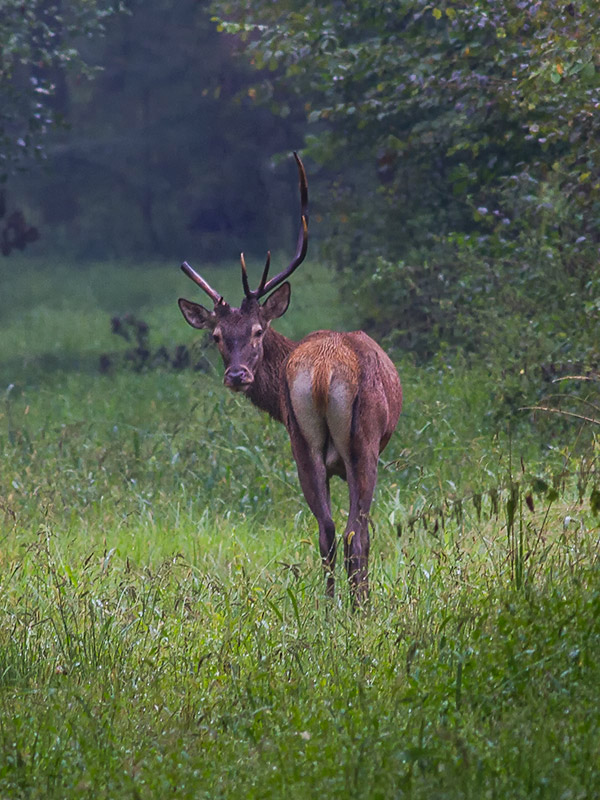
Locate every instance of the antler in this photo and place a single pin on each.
(263, 279)
(264, 287)
(191, 273)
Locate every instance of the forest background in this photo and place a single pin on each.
(452, 148)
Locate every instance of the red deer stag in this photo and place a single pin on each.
(338, 395)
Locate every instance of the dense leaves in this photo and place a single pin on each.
(39, 39)
(467, 136)
(455, 157)
(165, 151)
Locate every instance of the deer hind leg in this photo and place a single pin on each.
(353, 443)
(309, 454)
(315, 486)
(362, 477)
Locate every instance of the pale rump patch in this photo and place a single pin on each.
(312, 424)
(339, 414)
(322, 377)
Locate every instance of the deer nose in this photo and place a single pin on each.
(237, 376)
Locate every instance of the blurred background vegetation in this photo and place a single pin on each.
(145, 140)
(452, 148)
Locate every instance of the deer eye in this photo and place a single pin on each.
(216, 338)
(257, 333)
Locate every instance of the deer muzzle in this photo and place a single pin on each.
(238, 378)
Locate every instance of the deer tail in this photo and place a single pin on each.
(321, 380)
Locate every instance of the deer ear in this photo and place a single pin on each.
(196, 315)
(277, 303)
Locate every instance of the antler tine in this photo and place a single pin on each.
(191, 273)
(245, 283)
(302, 245)
(265, 274)
(301, 249)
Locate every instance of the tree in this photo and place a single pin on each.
(166, 153)
(39, 40)
(38, 43)
(467, 140)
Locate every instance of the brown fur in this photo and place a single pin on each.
(327, 354)
(266, 391)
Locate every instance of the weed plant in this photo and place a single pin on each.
(163, 625)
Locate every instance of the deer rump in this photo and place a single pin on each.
(326, 380)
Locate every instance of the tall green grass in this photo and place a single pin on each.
(163, 625)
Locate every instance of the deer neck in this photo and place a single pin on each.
(266, 388)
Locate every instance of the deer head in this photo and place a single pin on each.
(239, 333)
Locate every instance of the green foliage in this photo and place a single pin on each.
(163, 624)
(164, 153)
(481, 87)
(467, 137)
(170, 681)
(39, 40)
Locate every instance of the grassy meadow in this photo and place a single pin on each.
(163, 625)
